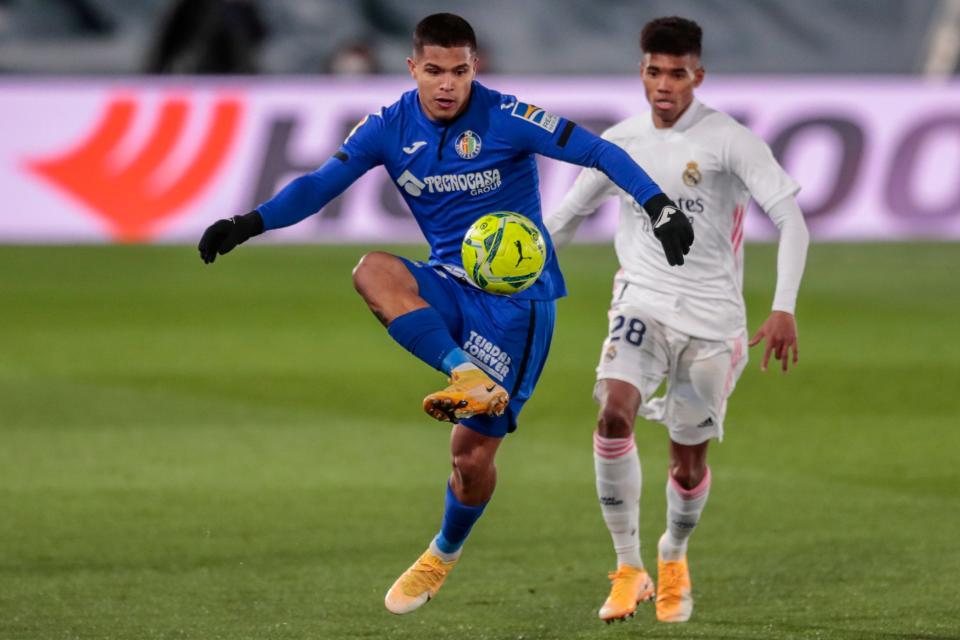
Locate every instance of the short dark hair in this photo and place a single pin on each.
(674, 36)
(444, 30)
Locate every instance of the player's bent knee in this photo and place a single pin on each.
(615, 421)
(377, 270)
(368, 267)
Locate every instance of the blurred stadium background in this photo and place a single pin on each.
(560, 37)
(193, 452)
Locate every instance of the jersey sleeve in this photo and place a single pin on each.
(589, 190)
(791, 252)
(536, 130)
(304, 196)
(750, 159)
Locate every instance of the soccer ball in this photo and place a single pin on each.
(503, 252)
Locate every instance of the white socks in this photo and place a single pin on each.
(683, 512)
(617, 467)
(618, 487)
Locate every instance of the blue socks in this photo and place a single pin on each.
(424, 334)
(458, 519)
(454, 359)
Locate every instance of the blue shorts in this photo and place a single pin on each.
(508, 338)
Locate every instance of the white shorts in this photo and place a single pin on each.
(700, 374)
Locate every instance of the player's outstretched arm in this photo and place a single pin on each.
(670, 225)
(780, 328)
(304, 196)
(301, 198)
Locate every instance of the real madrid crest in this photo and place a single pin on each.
(611, 353)
(691, 176)
(467, 145)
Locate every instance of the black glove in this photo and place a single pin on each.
(223, 235)
(671, 227)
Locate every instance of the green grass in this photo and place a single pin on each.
(204, 452)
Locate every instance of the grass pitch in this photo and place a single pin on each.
(237, 451)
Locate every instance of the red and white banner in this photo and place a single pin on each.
(136, 160)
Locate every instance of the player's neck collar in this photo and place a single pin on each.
(684, 122)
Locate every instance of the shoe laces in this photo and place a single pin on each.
(423, 576)
(623, 583)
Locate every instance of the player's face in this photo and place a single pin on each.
(669, 81)
(443, 76)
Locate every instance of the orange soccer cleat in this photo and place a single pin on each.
(674, 598)
(629, 587)
(471, 392)
(418, 584)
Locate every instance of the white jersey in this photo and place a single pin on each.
(710, 165)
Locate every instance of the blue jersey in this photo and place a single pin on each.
(452, 172)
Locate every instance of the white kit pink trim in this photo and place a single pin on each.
(698, 491)
(611, 448)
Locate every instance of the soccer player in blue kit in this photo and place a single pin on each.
(458, 150)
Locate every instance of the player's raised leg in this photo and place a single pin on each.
(617, 467)
(688, 486)
(393, 295)
(468, 490)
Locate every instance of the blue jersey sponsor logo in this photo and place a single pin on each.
(475, 183)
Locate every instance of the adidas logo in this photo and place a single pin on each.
(706, 423)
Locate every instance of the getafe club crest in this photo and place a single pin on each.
(468, 145)
(692, 177)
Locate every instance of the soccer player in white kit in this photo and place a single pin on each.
(686, 326)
